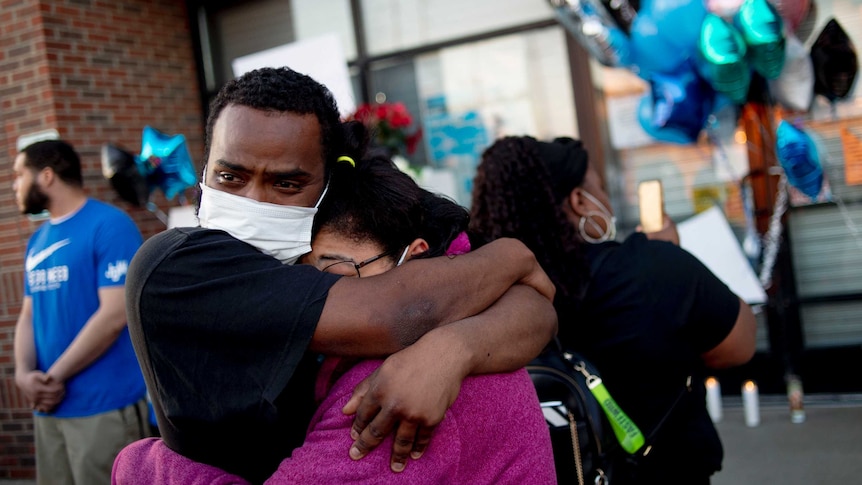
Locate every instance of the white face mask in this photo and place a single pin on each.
(281, 231)
(608, 234)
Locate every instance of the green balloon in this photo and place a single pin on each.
(722, 55)
(763, 30)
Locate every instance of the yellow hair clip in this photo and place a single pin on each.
(345, 158)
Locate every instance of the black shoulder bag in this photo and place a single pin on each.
(592, 438)
(587, 447)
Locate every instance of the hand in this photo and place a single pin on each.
(412, 389)
(667, 232)
(42, 391)
(536, 276)
(52, 396)
(539, 280)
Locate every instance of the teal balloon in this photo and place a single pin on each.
(763, 31)
(722, 60)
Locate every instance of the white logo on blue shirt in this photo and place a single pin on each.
(34, 260)
(47, 279)
(117, 270)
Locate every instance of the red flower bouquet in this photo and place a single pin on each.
(389, 123)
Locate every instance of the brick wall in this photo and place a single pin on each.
(97, 71)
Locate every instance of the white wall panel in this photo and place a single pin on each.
(402, 24)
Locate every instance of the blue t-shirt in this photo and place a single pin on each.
(66, 264)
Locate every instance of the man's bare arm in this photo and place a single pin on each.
(25, 345)
(41, 391)
(369, 317)
(414, 387)
(95, 337)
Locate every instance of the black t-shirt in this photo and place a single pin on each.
(650, 311)
(221, 331)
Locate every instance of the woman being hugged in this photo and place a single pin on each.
(494, 431)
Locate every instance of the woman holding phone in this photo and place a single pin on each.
(644, 311)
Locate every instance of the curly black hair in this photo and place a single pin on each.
(383, 205)
(58, 155)
(513, 196)
(287, 91)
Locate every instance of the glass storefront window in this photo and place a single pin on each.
(694, 177)
(393, 25)
(470, 95)
(313, 18)
(237, 29)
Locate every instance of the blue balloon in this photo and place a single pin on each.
(678, 106)
(664, 34)
(660, 133)
(165, 162)
(798, 156)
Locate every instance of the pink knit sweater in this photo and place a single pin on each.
(494, 433)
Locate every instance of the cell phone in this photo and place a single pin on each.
(651, 202)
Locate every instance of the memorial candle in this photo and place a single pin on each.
(751, 403)
(713, 399)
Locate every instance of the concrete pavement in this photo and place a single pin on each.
(825, 449)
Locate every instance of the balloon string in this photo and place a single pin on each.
(160, 215)
(848, 221)
(751, 243)
(772, 238)
(723, 158)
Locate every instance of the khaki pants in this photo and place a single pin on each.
(81, 451)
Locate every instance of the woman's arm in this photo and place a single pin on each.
(739, 345)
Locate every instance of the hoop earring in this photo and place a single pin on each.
(604, 233)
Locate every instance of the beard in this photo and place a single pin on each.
(35, 202)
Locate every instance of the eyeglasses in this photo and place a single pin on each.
(349, 268)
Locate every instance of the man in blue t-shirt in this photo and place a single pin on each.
(74, 360)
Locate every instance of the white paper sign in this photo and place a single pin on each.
(321, 58)
(26, 140)
(708, 237)
(182, 216)
(440, 181)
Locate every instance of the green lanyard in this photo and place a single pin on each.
(630, 437)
